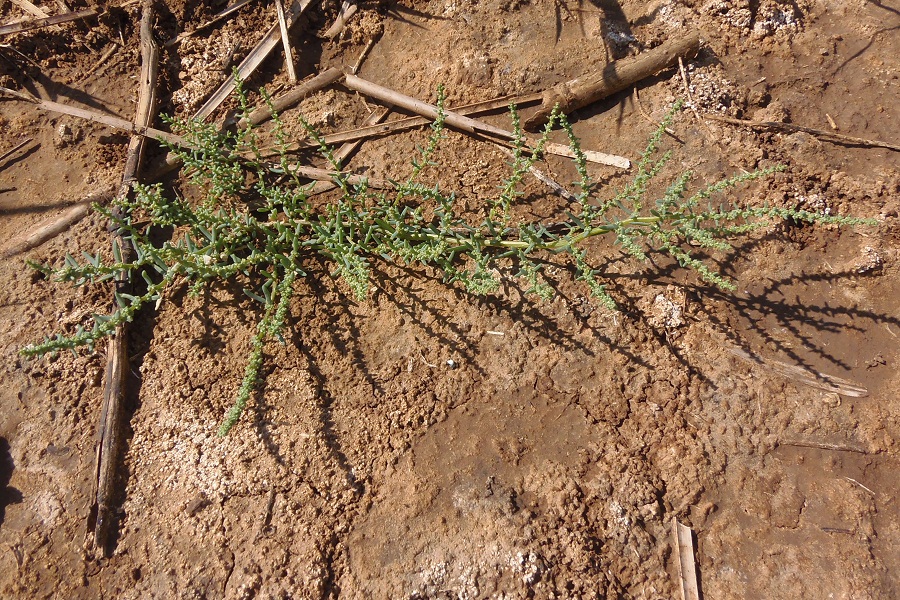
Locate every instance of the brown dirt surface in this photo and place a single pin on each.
(428, 444)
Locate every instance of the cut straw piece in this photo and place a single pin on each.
(20, 26)
(262, 50)
(687, 566)
(286, 42)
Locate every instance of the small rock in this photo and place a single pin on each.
(66, 135)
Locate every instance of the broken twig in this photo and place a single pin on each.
(101, 65)
(317, 174)
(828, 136)
(430, 111)
(362, 56)
(341, 154)
(112, 417)
(369, 131)
(821, 381)
(616, 76)
(543, 178)
(97, 117)
(823, 446)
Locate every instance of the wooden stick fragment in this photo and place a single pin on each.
(348, 9)
(20, 26)
(637, 102)
(52, 227)
(219, 17)
(616, 76)
(407, 123)
(251, 62)
(828, 136)
(687, 566)
(101, 65)
(293, 97)
(286, 42)
(112, 419)
(468, 109)
(317, 174)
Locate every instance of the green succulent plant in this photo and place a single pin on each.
(219, 238)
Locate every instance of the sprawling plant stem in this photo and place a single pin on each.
(220, 238)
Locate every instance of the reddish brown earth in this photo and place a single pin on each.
(552, 460)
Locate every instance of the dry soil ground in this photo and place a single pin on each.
(551, 461)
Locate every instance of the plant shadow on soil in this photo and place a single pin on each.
(758, 312)
(8, 495)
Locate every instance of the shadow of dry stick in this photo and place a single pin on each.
(13, 150)
(615, 77)
(112, 418)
